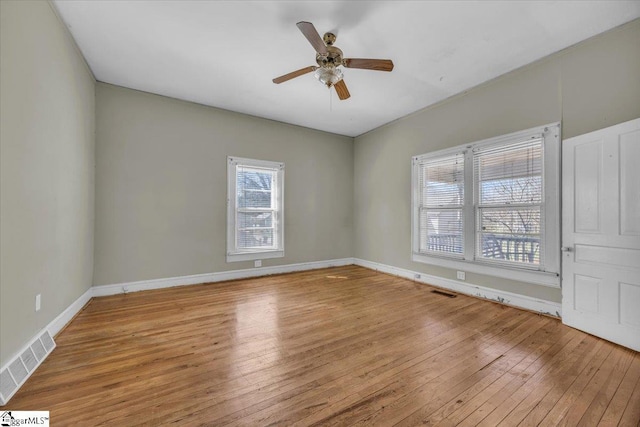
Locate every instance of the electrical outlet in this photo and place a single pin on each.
(461, 275)
(38, 302)
(257, 263)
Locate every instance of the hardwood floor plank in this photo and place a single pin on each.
(604, 391)
(339, 346)
(500, 395)
(368, 369)
(575, 414)
(279, 388)
(443, 405)
(395, 383)
(544, 405)
(571, 395)
(253, 396)
(437, 390)
(524, 369)
(631, 413)
(619, 401)
(539, 392)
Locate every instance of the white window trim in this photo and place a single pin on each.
(233, 254)
(551, 193)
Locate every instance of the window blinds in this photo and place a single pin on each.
(509, 201)
(256, 214)
(441, 204)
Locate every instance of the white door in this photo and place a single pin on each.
(601, 233)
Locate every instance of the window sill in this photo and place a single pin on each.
(529, 276)
(250, 256)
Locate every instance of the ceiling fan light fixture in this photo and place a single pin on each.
(328, 76)
(329, 58)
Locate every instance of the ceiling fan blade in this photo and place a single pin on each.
(313, 36)
(341, 90)
(368, 64)
(294, 74)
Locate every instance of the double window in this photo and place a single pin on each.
(491, 207)
(255, 215)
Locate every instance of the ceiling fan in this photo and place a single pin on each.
(329, 59)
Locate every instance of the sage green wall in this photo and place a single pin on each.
(161, 186)
(592, 85)
(46, 171)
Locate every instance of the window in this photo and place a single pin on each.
(255, 215)
(441, 205)
(491, 207)
(508, 181)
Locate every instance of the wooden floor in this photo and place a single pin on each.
(345, 346)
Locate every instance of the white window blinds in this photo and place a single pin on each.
(509, 202)
(441, 205)
(256, 212)
(255, 209)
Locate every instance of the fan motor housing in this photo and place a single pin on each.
(333, 58)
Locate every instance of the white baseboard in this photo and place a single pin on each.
(516, 300)
(56, 325)
(143, 285)
(65, 317)
(23, 364)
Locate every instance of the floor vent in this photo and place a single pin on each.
(21, 368)
(443, 293)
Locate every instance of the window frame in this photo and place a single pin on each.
(436, 161)
(548, 272)
(248, 254)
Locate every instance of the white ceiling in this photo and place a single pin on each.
(225, 53)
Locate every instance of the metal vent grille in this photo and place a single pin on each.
(38, 350)
(47, 341)
(443, 293)
(7, 386)
(18, 371)
(29, 359)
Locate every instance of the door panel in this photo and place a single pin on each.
(586, 291)
(588, 161)
(629, 183)
(629, 313)
(607, 256)
(601, 233)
